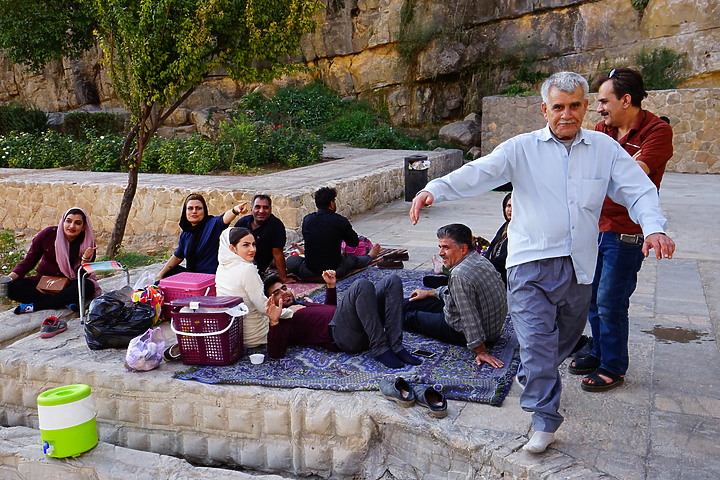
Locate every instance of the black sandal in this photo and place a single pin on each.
(585, 365)
(600, 384)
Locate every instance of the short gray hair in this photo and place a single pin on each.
(565, 82)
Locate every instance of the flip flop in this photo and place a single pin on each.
(600, 384)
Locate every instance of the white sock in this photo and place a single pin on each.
(539, 442)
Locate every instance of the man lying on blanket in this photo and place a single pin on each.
(368, 317)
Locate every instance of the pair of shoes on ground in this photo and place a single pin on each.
(594, 381)
(391, 264)
(51, 326)
(399, 390)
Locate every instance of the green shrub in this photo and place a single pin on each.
(662, 68)
(99, 153)
(76, 124)
(11, 253)
(307, 107)
(244, 143)
(346, 128)
(18, 118)
(49, 149)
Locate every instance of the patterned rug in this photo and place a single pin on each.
(452, 370)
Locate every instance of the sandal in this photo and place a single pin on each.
(585, 365)
(172, 353)
(600, 384)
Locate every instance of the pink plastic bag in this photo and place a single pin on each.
(363, 247)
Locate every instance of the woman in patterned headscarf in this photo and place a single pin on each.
(57, 251)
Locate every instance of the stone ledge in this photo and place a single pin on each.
(287, 431)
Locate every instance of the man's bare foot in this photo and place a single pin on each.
(375, 251)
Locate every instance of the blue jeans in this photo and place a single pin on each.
(427, 317)
(615, 280)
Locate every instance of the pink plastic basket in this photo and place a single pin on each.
(208, 338)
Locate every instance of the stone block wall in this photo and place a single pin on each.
(35, 199)
(297, 431)
(693, 114)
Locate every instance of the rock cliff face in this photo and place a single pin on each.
(431, 61)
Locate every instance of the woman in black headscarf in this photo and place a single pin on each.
(497, 251)
(200, 237)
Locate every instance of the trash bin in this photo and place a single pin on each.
(67, 421)
(416, 175)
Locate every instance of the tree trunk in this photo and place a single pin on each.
(143, 131)
(118, 232)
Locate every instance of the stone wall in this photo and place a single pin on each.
(34, 199)
(693, 114)
(466, 49)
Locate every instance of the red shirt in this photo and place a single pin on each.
(654, 137)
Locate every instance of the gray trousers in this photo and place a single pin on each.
(370, 316)
(549, 310)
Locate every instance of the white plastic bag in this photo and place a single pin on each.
(145, 279)
(145, 351)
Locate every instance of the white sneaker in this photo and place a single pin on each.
(539, 442)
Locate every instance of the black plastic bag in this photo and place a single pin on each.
(112, 323)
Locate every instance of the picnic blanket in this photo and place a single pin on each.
(452, 370)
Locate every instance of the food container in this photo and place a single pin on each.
(67, 421)
(185, 284)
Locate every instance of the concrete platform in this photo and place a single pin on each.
(663, 424)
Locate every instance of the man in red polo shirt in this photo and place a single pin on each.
(648, 139)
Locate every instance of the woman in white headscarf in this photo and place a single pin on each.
(237, 276)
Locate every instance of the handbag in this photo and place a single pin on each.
(51, 285)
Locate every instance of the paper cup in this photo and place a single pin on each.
(257, 358)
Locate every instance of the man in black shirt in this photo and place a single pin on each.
(324, 232)
(269, 233)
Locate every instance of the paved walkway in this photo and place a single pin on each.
(664, 423)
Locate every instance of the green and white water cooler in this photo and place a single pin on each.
(67, 421)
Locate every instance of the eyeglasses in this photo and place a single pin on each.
(277, 290)
(612, 72)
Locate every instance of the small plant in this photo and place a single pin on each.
(412, 37)
(18, 118)
(639, 4)
(662, 68)
(11, 253)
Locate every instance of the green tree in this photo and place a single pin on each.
(159, 51)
